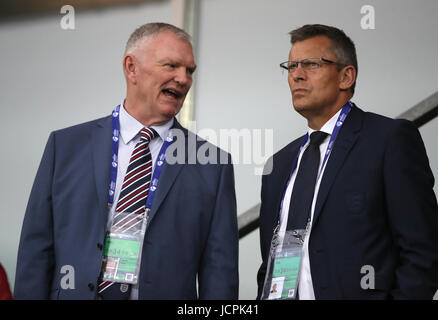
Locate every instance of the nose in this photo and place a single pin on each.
(298, 73)
(183, 77)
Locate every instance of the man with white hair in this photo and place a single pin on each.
(109, 218)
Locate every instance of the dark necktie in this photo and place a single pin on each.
(132, 199)
(304, 186)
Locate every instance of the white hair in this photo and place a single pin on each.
(152, 29)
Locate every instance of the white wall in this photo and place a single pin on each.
(52, 78)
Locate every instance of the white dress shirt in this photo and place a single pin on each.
(129, 133)
(305, 286)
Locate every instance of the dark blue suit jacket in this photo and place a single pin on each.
(376, 206)
(192, 233)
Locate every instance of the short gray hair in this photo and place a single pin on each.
(152, 29)
(342, 46)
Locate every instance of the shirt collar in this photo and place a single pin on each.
(329, 125)
(130, 127)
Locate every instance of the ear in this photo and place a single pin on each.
(347, 77)
(130, 68)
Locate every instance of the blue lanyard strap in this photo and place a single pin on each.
(114, 153)
(157, 171)
(339, 122)
(114, 160)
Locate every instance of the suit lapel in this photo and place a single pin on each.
(101, 150)
(285, 167)
(282, 169)
(344, 142)
(167, 178)
(168, 173)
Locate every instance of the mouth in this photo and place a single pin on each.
(172, 93)
(299, 90)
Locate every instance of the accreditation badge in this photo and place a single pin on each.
(284, 264)
(123, 247)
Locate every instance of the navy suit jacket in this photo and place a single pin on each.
(375, 206)
(192, 233)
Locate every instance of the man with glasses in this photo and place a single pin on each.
(348, 211)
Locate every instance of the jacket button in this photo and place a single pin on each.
(99, 246)
(91, 286)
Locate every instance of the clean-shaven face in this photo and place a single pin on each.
(165, 67)
(313, 90)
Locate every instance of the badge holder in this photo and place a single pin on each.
(284, 264)
(123, 248)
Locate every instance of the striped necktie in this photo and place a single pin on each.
(132, 200)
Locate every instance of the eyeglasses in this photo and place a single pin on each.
(307, 64)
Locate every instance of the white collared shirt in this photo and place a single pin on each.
(305, 286)
(129, 133)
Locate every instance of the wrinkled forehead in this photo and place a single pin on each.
(316, 47)
(166, 45)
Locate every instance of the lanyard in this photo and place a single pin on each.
(114, 161)
(339, 122)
